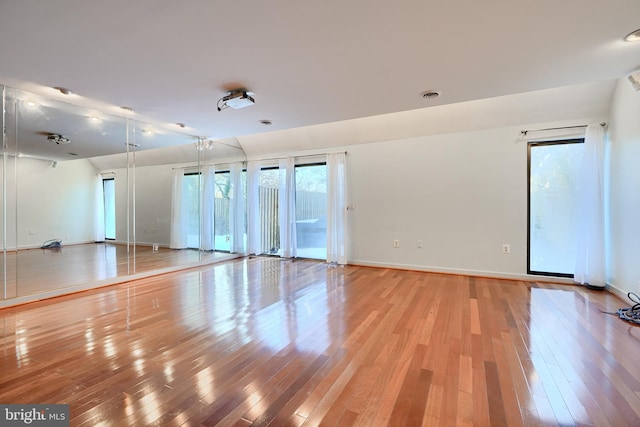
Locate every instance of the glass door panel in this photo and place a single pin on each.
(553, 181)
(311, 211)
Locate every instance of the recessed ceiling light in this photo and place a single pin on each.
(147, 132)
(633, 37)
(63, 90)
(94, 119)
(266, 122)
(430, 94)
(31, 104)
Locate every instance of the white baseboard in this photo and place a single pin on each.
(464, 272)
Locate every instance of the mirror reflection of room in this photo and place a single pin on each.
(89, 197)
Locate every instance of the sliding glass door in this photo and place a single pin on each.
(311, 210)
(269, 215)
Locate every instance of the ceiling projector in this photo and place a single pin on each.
(236, 99)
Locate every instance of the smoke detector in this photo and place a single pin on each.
(58, 139)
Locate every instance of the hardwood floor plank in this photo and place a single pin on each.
(497, 413)
(264, 341)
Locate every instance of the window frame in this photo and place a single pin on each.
(530, 145)
(104, 194)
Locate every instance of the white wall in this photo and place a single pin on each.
(624, 189)
(49, 202)
(153, 186)
(464, 195)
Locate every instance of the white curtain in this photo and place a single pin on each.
(336, 208)
(590, 259)
(287, 208)
(237, 210)
(179, 213)
(99, 209)
(207, 203)
(254, 241)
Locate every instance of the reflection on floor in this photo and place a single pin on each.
(34, 271)
(266, 341)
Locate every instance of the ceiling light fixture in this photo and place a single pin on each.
(94, 119)
(63, 90)
(58, 139)
(266, 122)
(237, 98)
(31, 104)
(129, 109)
(204, 144)
(181, 125)
(633, 37)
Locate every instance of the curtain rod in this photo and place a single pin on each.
(299, 157)
(524, 132)
(274, 158)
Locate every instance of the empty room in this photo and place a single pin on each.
(341, 213)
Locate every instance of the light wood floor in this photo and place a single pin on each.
(33, 271)
(271, 342)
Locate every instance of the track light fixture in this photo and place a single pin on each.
(58, 139)
(238, 98)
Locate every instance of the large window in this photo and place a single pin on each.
(109, 191)
(553, 184)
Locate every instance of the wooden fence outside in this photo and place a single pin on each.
(309, 205)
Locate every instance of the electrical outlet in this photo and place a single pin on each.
(396, 243)
(506, 249)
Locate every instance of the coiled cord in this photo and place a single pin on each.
(630, 314)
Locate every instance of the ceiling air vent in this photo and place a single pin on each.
(58, 139)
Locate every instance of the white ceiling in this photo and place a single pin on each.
(312, 63)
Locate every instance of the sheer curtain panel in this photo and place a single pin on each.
(237, 213)
(287, 208)
(99, 210)
(179, 213)
(207, 198)
(336, 208)
(590, 259)
(254, 242)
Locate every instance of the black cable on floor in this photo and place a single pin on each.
(630, 314)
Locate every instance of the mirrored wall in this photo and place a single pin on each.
(89, 198)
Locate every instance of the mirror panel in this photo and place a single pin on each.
(56, 189)
(9, 161)
(87, 197)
